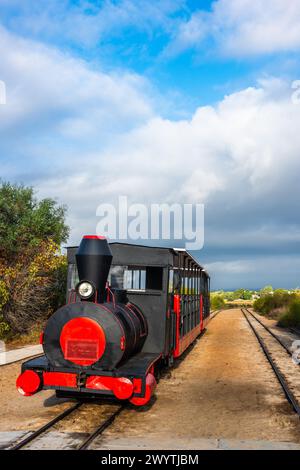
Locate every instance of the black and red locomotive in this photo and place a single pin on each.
(129, 309)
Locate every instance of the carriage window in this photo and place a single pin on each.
(154, 277)
(134, 279)
(171, 281)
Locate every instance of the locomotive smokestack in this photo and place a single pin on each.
(93, 260)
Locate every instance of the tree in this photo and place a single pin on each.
(247, 295)
(267, 290)
(25, 221)
(238, 294)
(32, 269)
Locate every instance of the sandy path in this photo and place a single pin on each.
(224, 388)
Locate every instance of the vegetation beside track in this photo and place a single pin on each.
(281, 305)
(32, 268)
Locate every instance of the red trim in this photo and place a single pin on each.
(132, 322)
(176, 308)
(59, 379)
(72, 297)
(201, 312)
(187, 339)
(123, 388)
(82, 341)
(122, 343)
(141, 317)
(183, 342)
(150, 387)
(137, 384)
(94, 237)
(116, 318)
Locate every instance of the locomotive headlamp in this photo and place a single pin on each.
(85, 289)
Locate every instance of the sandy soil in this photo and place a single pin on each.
(224, 388)
(19, 412)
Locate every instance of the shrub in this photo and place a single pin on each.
(268, 303)
(292, 316)
(36, 286)
(4, 296)
(32, 270)
(217, 302)
(4, 328)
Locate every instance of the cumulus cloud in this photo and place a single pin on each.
(240, 158)
(86, 23)
(242, 27)
(60, 107)
(85, 137)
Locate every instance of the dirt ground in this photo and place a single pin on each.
(223, 389)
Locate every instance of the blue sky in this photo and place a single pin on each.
(192, 100)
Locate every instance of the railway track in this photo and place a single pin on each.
(296, 331)
(23, 443)
(86, 442)
(279, 357)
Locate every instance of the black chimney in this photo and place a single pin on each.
(93, 260)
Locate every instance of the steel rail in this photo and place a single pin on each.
(101, 428)
(44, 428)
(295, 331)
(287, 391)
(269, 331)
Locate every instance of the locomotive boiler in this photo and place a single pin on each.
(129, 310)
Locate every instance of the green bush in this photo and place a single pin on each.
(270, 302)
(4, 296)
(292, 316)
(32, 269)
(4, 328)
(217, 302)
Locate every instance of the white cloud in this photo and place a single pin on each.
(86, 137)
(243, 27)
(240, 158)
(232, 267)
(86, 23)
(41, 81)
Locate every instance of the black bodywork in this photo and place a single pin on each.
(151, 277)
(155, 300)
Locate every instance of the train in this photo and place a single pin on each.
(130, 310)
